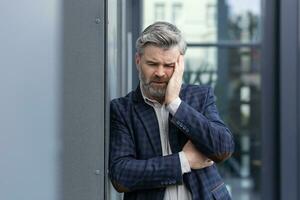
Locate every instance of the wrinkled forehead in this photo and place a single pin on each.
(153, 53)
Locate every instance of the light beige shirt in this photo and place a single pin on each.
(173, 192)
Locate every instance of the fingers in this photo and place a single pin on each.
(188, 145)
(180, 63)
(175, 82)
(207, 164)
(197, 160)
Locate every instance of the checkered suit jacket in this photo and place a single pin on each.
(136, 164)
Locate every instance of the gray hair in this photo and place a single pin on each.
(162, 35)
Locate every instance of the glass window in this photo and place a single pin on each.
(234, 73)
(159, 11)
(209, 20)
(211, 15)
(176, 12)
(224, 51)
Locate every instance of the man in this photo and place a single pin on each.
(165, 137)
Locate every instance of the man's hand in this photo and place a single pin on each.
(175, 81)
(196, 159)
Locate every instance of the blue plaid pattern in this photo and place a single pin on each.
(136, 164)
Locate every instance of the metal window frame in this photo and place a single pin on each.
(226, 44)
(298, 96)
(129, 21)
(289, 99)
(137, 19)
(270, 101)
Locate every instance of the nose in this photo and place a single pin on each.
(160, 72)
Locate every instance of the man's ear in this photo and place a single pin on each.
(137, 61)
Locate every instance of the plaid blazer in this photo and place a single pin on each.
(136, 164)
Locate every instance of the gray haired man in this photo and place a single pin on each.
(167, 136)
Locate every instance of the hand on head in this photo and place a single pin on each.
(174, 85)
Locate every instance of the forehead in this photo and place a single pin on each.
(154, 53)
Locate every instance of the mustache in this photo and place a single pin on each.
(157, 81)
(150, 80)
(160, 80)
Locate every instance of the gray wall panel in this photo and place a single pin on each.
(83, 106)
(52, 100)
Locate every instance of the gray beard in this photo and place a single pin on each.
(156, 93)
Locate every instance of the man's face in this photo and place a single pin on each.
(156, 66)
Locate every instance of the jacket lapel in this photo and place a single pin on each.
(149, 120)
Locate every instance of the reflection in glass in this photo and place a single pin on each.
(176, 12)
(159, 11)
(233, 72)
(235, 75)
(209, 21)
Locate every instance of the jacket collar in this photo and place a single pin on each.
(137, 96)
(149, 120)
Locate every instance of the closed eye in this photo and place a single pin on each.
(152, 64)
(170, 65)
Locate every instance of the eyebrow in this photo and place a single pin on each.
(156, 62)
(171, 63)
(151, 61)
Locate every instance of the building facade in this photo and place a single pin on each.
(63, 61)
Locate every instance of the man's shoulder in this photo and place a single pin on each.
(124, 101)
(196, 95)
(188, 89)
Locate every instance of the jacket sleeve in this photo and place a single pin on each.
(205, 129)
(126, 171)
